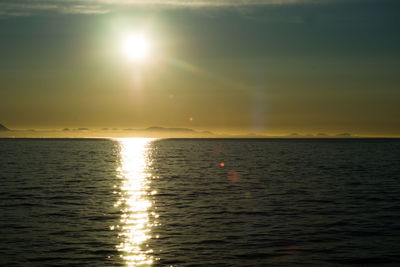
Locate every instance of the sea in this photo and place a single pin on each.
(199, 202)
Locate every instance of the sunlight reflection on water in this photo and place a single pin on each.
(134, 202)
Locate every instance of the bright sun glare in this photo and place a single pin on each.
(136, 47)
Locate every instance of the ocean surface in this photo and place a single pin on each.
(199, 202)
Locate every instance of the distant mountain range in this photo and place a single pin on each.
(153, 132)
(3, 128)
(162, 129)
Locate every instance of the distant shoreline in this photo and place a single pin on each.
(211, 138)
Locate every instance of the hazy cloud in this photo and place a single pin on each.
(31, 7)
(27, 7)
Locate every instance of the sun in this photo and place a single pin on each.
(136, 47)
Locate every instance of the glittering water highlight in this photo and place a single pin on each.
(135, 227)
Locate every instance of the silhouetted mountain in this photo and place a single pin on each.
(3, 128)
(344, 135)
(162, 129)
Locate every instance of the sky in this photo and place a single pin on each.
(229, 66)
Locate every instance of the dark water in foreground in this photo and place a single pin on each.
(170, 202)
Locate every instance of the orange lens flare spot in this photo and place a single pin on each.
(190, 118)
(222, 164)
(232, 177)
